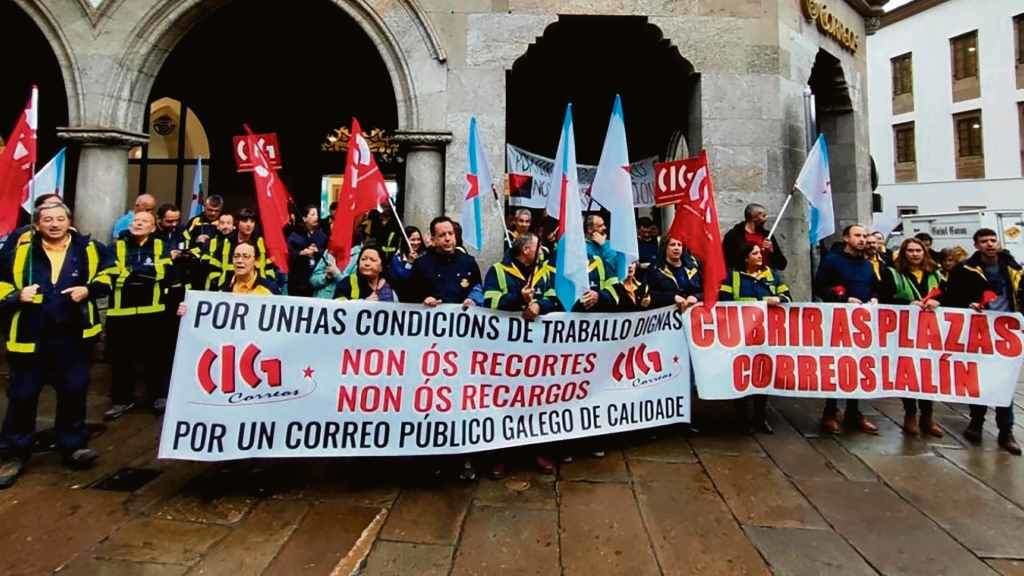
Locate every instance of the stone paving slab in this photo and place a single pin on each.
(161, 541)
(975, 515)
(1001, 471)
(324, 536)
(1008, 567)
(250, 548)
(665, 444)
(690, 527)
(793, 454)
(610, 468)
(402, 559)
(501, 540)
(98, 567)
(848, 465)
(893, 536)
(708, 442)
(44, 527)
(800, 552)
(759, 493)
(431, 514)
(601, 531)
(522, 490)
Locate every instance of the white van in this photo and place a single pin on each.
(949, 229)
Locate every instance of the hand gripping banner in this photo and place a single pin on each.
(258, 377)
(846, 351)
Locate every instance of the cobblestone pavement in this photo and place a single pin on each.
(661, 502)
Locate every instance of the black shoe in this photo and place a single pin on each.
(81, 459)
(468, 471)
(973, 432)
(10, 470)
(1009, 443)
(159, 406)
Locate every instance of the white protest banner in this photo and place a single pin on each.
(855, 351)
(520, 161)
(258, 377)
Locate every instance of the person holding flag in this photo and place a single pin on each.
(362, 190)
(572, 277)
(201, 227)
(613, 190)
(521, 283)
(694, 236)
(815, 183)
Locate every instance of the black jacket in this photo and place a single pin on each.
(733, 243)
(967, 282)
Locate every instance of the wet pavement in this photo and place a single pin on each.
(665, 501)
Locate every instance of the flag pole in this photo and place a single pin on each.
(779, 217)
(501, 212)
(401, 227)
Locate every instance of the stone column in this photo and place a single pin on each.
(102, 176)
(424, 175)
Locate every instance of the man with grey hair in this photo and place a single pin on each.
(49, 284)
(752, 231)
(143, 203)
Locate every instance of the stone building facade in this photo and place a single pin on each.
(751, 62)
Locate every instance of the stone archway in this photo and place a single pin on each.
(399, 29)
(834, 117)
(47, 25)
(402, 32)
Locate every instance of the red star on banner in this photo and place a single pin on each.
(307, 373)
(473, 190)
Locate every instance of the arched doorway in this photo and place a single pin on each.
(574, 62)
(32, 62)
(298, 70)
(834, 117)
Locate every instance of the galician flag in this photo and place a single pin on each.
(571, 277)
(195, 208)
(613, 189)
(48, 180)
(478, 177)
(815, 183)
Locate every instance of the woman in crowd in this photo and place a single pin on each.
(400, 270)
(367, 282)
(677, 279)
(908, 281)
(754, 281)
(950, 257)
(632, 294)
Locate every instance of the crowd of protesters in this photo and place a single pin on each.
(52, 279)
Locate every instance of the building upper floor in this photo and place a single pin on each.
(946, 91)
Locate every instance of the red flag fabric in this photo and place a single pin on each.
(362, 191)
(272, 199)
(17, 162)
(696, 224)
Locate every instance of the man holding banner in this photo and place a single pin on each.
(845, 276)
(988, 280)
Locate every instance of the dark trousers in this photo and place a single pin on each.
(760, 405)
(134, 343)
(832, 408)
(64, 363)
(910, 406)
(1004, 417)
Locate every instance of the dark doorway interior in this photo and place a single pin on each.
(298, 69)
(586, 60)
(833, 111)
(30, 60)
